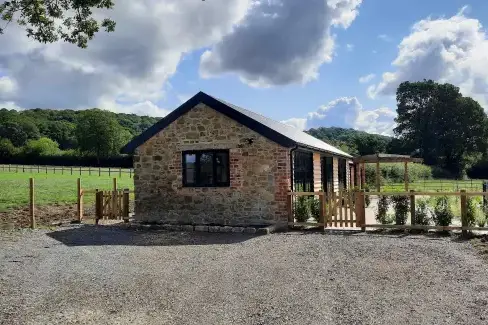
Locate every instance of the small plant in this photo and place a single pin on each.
(481, 220)
(302, 209)
(315, 208)
(422, 213)
(471, 211)
(401, 205)
(367, 198)
(382, 210)
(442, 212)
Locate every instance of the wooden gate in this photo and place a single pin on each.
(342, 209)
(112, 205)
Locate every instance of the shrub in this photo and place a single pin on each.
(422, 213)
(382, 210)
(481, 220)
(302, 209)
(367, 199)
(401, 206)
(315, 208)
(442, 212)
(471, 211)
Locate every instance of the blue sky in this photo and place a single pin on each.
(294, 61)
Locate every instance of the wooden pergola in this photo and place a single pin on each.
(378, 158)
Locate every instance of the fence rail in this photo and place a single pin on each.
(68, 170)
(348, 209)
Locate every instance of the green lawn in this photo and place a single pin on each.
(53, 188)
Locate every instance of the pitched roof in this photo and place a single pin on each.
(278, 132)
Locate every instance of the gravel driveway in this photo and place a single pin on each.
(108, 275)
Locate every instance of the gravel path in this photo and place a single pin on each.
(108, 275)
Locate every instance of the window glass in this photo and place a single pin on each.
(222, 167)
(190, 174)
(206, 176)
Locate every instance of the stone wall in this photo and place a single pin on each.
(259, 174)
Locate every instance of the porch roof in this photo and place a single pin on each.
(386, 158)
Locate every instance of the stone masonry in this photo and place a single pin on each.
(259, 174)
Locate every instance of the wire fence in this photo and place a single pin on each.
(68, 170)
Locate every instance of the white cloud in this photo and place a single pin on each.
(450, 50)
(367, 78)
(349, 47)
(299, 123)
(125, 70)
(280, 42)
(7, 86)
(384, 37)
(10, 105)
(347, 112)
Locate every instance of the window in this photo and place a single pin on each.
(208, 168)
(327, 174)
(343, 174)
(303, 171)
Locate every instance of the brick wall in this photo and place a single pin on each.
(259, 174)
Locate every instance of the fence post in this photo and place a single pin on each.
(114, 199)
(360, 209)
(31, 203)
(289, 208)
(71, 170)
(120, 172)
(79, 202)
(80, 170)
(89, 171)
(99, 172)
(322, 209)
(62, 170)
(38, 171)
(125, 205)
(412, 208)
(464, 212)
(98, 205)
(109, 171)
(130, 172)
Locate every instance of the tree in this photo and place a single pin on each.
(7, 149)
(18, 131)
(41, 147)
(48, 21)
(99, 133)
(445, 127)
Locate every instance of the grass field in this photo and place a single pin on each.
(53, 188)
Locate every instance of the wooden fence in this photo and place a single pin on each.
(343, 209)
(112, 204)
(348, 209)
(68, 170)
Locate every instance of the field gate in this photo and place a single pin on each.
(113, 205)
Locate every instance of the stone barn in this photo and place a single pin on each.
(211, 162)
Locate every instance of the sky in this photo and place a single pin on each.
(308, 63)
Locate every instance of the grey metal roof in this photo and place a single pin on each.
(278, 132)
(294, 134)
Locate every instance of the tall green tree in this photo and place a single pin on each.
(41, 147)
(19, 130)
(445, 127)
(48, 21)
(98, 133)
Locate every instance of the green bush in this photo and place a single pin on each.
(315, 208)
(367, 199)
(381, 214)
(442, 211)
(471, 211)
(401, 204)
(481, 220)
(422, 213)
(302, 209)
